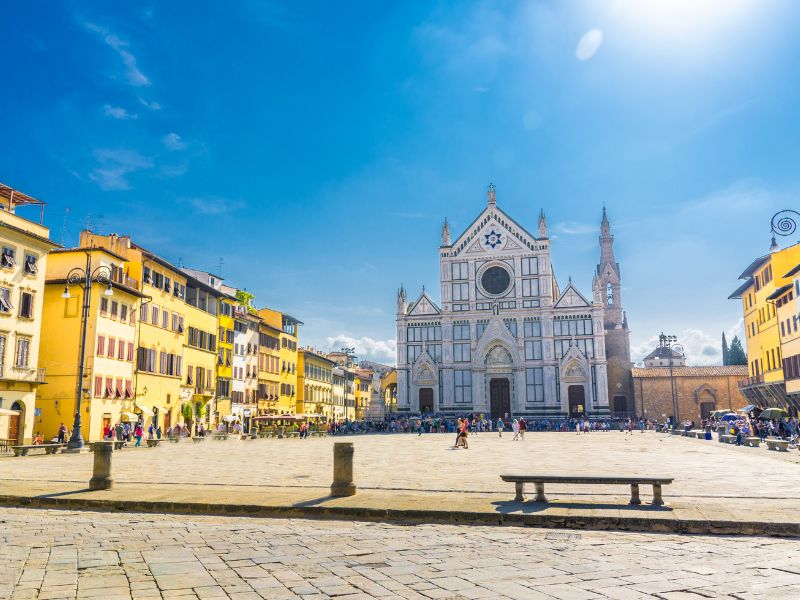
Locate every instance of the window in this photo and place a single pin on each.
(480, 327)
(154, 312)
(572, 327)
(9, 257)
(460, 291)
(435, 350)
(164, 318)
(114, 309)
(98, 387)
(109, 391)
(530, 287)
(533, 349)
(424, 333)
(459, 270)
(26, 305)
(101, 345)
(123, 312)
(532, 329)
(463, 385)
(461, 331)
(462, 353)
(413, 352)
(530, 266)
(147, 275)
(31, 264)
(104, 306)
(120, 350)
(5, 300)
(143, 313)
(534, 385)
(23, 352)
(111, 347)
(190, 375)
(2, 351)
(130, 352)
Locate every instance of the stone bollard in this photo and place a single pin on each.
(343, 470)
(101, 473)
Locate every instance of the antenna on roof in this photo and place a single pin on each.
(89, 222)
(100, 224)
(64, 226)
(221, 262)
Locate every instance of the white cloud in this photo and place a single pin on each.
(212, 205)
(589, 44)
(173, 141)
(133, 74)
(115, 165)
(152, 105)
(117, 112)
(383, 351)
(575, 228)
(700, 347)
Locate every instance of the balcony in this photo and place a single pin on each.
(11, 373)
(754, 380)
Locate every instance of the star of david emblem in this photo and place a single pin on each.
(493, 239)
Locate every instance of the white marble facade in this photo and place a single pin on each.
(505, 339)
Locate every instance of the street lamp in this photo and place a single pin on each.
(84, 278)
(670, 343)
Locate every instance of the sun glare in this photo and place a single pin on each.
(682, 16)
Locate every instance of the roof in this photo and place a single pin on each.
(663, 352)
(780, 291)
(793, 272)
(114, 284)
(316, 354)
(737, 293)
(30, 234)
(90, 249)
(502, 212)
(17, 197)
(701, 371)
(754, 266)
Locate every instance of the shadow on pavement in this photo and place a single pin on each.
(530, 506)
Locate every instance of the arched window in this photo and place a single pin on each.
(609, 295)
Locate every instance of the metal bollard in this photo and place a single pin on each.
(101, 473)
(343, 470)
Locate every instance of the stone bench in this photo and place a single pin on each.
(220, 436)
(728, 439)
(153, 442)
(198, 438)
(519, 482)
(48, 448)
(755, 442)
(776, 444)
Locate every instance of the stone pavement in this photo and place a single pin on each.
(54, 555)
(713, 482)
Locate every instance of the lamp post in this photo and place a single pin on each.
(84, 278)
(670, 343)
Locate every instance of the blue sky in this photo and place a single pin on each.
(316, 147)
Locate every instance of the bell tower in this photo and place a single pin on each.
(608, 285)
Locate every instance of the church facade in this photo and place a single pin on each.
(506, 340)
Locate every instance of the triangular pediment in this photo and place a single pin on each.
(423, 305)
(493, 231)
(571, 298)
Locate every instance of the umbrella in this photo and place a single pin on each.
(718, 413)
(731, 417)
(773, 413)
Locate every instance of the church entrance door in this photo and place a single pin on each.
(576, 401)
(499, 398)
(425, 400)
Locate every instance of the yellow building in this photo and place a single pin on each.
(198, 386)
(225, 325)
(389, 387)
(315, 383)
(363, 392)
(25, 245)
(289, 330)
(161, 324)
(269, 368)
(787, 304)
(762, 280)
(107, 391)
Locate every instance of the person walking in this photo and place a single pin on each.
(515, 429)
(62, 433)
(137, 433)
(499, 427)
(523, 427)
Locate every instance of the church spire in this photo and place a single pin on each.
(542, 224)
(492, 197)
(445, 233)
(606, 241)
(402, 301)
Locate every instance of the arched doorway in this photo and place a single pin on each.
(499, 398)
(577, 401)
(14, 429)
(620, 407)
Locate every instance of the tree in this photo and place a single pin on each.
(736, 354)
(725, 351)
(245, 298)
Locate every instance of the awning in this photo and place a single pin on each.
(126, 416)
(8, 413)
(145, 411)
(230, 418)
(748, 408)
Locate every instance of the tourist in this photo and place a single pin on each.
(151, 431)
(463, 434)
(137, 433)
(158, 432)
(499, 427)
(120, 431)
(515, 429)
(62, 433)
(522, 427)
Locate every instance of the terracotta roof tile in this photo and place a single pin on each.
(702, 371)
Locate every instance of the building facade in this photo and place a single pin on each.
(766, 279)
(507, 340)
(23, 263)
(315, 383)
(788, 314)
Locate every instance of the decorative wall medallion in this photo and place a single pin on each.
(493, 239)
